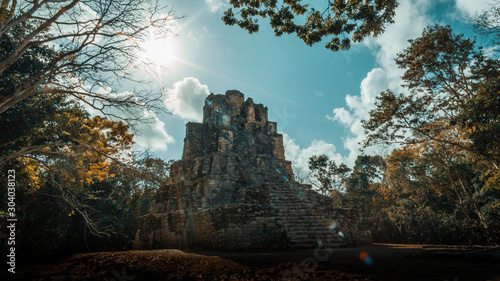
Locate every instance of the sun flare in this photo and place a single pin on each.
(158, 55)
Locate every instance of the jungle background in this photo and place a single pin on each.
(81, 186)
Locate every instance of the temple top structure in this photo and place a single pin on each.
(232, 125)
(232, 110)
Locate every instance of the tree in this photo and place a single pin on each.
(326, 175)
(56, 136)
(438, 197)
(361, 183)
(74, 170)
(445, 169)
(77, 180)
(343, 21)
(453, 97)
(121, 200)
(49, 227)
(83, 48)
(487, 24)
(54, 126)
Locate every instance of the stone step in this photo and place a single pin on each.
(318, 242)
(309, 230)
(297, 237)
(304, 220)
(317, 225)
(325, 238)
(293, 207)
(305, 225)
(297, 215)
(313, 237)
(303, 217)
(297, 210)
(303, 246)
(298, 228)
(332, 243)
(310, 233)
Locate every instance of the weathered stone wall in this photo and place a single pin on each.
(233, 189)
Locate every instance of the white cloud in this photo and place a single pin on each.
(153, 134)
(149, 131)
(300, 156)
(376, 81)
(186, 99)
(215, 5)
(409, 22)
(472, 7)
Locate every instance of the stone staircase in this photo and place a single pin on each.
(306, 218)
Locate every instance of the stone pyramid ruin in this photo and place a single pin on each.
(233, 189)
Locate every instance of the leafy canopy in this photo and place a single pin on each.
(326, 175)
(453, 97)
(343, 21)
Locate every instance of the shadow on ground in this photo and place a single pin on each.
(374, 262)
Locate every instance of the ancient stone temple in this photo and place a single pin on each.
(233, 189)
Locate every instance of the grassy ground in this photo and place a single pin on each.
(374, 262)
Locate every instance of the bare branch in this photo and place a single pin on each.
(98, 42)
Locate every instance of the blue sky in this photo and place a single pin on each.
(316, 96)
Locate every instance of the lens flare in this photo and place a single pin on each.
(364, 257)
(333, 226)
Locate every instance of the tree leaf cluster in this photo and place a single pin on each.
(440, 184)
(341, 21)
(326, 175)
(453, 97)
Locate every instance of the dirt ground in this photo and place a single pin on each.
(374, 262)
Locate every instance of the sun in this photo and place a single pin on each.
(158, 55)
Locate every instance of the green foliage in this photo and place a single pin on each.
(441, 184)
(49, 226)
(419, 194)
(453, 99)
(362, 184)
(36, 58)
(79, 187)
(327, 176)
(343, 21)
(75, 190)
(436, 198)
